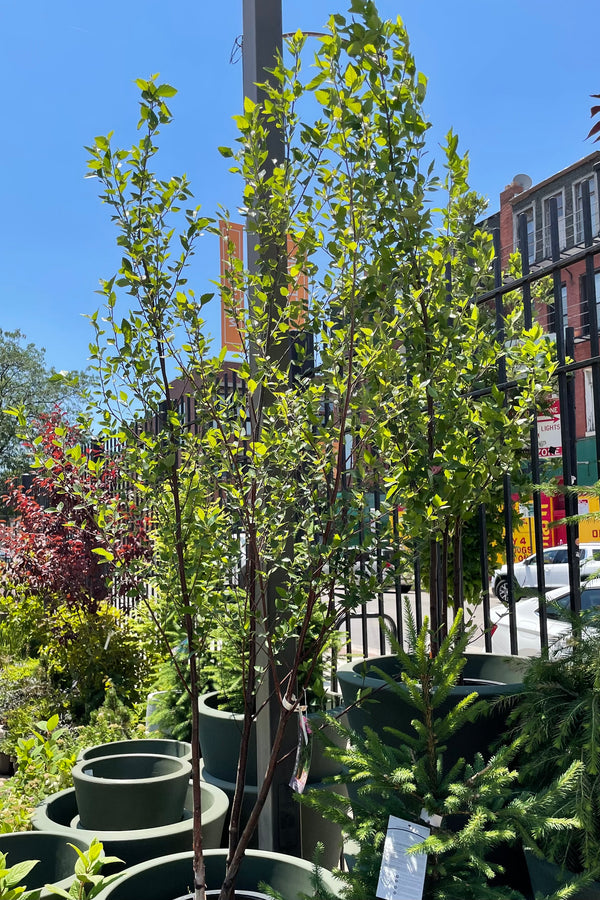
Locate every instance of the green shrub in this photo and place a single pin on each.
(44, 761)
(23, 627)
(26, 696)
(113, 721)
(85, 648)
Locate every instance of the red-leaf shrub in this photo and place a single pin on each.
(78, 531)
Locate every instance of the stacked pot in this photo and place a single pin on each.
(134, 796)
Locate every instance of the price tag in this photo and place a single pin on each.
(303, 754)
(402, 875)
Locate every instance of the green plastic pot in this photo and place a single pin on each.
(131, 791)
(546, 878)
(314, 829)
(57, 813)
(56, 860)
(220, 734)
(170, 877)
(490, 675)
(154, 746)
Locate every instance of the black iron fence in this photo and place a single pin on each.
(573, 463)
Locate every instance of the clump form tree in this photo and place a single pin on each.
(280, 465)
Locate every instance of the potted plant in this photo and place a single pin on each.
(555, 722)
(469, 816)
(256, 497)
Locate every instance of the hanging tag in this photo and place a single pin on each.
(303, 753)
(402, 876)
(434, 820)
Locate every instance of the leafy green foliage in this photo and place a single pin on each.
(480, 806)
(27, 382)
(43, 766)
(86, 648)
(88, 881)
(10, 876)
(557, 722)
(112, 721)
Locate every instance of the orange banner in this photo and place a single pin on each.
(231, 245)
(231, 249)
(298, 296)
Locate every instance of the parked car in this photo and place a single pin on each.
(556, 569)
(528, 619)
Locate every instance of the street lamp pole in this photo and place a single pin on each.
(279, 824)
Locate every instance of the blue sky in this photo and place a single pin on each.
(511, 77)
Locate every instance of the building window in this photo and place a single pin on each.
(552, 312)
(579, 208)
(560, 208)
(585, 315)
(528, 213)
(590, 424)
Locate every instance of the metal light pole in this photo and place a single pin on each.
(279, 825)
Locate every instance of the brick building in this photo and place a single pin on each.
(521, 197)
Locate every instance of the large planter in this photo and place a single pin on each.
(490, 675)
(59, 813)
(121, 793)
(546, 878)
(154, 746)
(220, 733)
(170, 877)
(314, 829)
(56, 858)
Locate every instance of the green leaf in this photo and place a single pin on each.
(101, 551)
(165, 90)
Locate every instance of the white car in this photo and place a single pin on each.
(527, 616)
(556, 569)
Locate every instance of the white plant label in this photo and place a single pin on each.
(402, 875)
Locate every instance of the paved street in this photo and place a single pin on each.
(389, 607)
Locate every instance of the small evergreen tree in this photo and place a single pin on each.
(477, 804)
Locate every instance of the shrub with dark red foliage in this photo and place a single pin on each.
(77, 528)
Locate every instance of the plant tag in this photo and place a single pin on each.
(402, 875)
(303, 754)
(433, 820)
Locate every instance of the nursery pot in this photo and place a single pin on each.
(154, 746)
(130, 791)
(56, 859)
(314, 829)
(59, 813)
(546, 878)
(170, 877)
(491, 676)
(220, 733)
